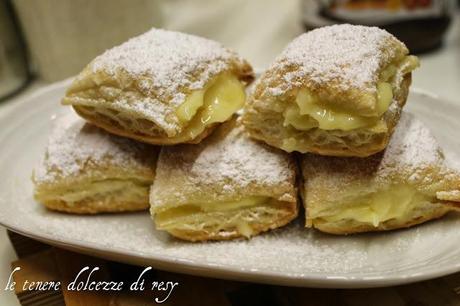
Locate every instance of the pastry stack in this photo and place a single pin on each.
(157, 124)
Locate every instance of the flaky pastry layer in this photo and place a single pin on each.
(407, 184)
(227, 186)
(86, 170)
(340, 102)
(135, 90)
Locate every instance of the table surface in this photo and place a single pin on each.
(439, 73)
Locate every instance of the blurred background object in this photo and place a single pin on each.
(420, 24)
(257, 29)
(14, 72)
(64, 35)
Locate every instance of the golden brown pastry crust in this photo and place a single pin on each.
(346, 82)
(227, 166)
(345, 227)
(276, 134)
(413, 158)
(114, 127)
(134, 90)
(287, 214)
(86, 170)
(95, 207)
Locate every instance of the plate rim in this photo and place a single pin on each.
(309, 279)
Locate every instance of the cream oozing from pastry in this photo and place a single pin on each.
(397, 203)
(216, 103)
(119, 189)
(178, 217)
(309, 112)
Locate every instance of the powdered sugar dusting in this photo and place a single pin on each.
(227, 160)
(412, 145)
(167, 61)
(240, 160)
(348, 54)
(73, 143)
(291, 253)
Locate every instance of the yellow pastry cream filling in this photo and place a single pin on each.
(114, 189)
(217, 102)
(396, 203)
(309, 112)
(216, 215)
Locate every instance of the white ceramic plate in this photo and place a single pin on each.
(289, 256)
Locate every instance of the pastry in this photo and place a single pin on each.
(407, 184)
(85, 170)
(336, 90)
(227, 186)
(161, 87)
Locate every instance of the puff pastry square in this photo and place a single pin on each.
(86, 170)
(407, 184)
(161, 87)
(337, 91)
(227, 186)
